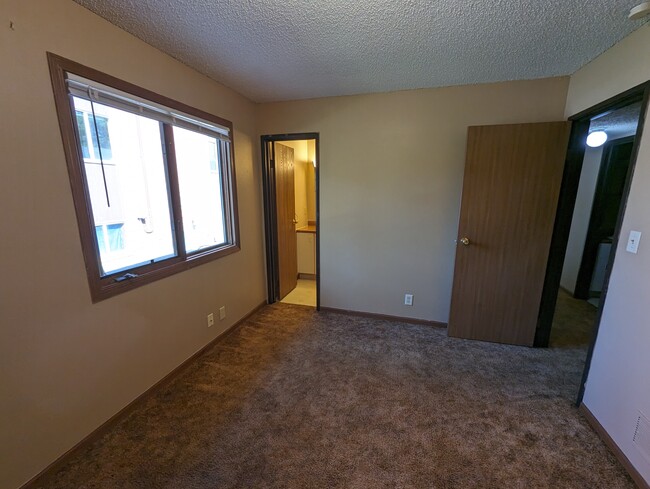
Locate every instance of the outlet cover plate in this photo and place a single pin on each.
(633, 242)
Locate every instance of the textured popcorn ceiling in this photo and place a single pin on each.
(290, 49)
(621, 122)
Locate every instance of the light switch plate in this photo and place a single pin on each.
(633, 241)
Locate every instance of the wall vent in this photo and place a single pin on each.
(642, 436)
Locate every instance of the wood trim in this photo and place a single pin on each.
(174, 189)
(270, 227)
(230, 192)
(307, 276)
(317, 223)
(613, 447)
(41, 478)
(175, 266)
(298, 136)
(385, 317)
(75, 176)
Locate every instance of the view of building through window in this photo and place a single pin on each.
(129, 195)
(129, 188)
(199, 181)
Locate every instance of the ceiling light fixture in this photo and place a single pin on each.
(596, 138)
(639, 11)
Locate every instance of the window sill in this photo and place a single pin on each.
(108, 287)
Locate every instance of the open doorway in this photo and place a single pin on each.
(612, 160)
(597, 176)
(290, 163)
(605, 171)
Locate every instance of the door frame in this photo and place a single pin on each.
(564, 215)
(590, 249)
(270, 210)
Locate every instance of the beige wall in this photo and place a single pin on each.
(67, 365)
(300, 184)
(391, 169)
(617, 389)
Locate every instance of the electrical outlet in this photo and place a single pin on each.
(633, 242)
(210, 320)
(408, 299)
(222, 312)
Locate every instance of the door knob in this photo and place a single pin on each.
(464, 241)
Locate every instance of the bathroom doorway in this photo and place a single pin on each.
(290, 178)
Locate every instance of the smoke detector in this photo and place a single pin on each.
(640, 11)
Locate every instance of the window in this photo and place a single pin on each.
(152, 179)
(86, 125)
(109, 238)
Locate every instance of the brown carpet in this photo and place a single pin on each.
(298, 399)
(573, 322)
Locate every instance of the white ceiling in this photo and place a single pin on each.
(618, 123)
(273, 50)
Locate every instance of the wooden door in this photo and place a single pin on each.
(511, 187)
(286, 215)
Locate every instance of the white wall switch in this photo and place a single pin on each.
(210, 320)
(633, 241)
(222, 312)
(408, 299)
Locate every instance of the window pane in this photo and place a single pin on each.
(102, 129)
(115, 237)
(99, 234)
(200, 189)
(129, 196)
(83, 136)
(213, 156)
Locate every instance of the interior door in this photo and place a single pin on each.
(511, 187)
(286, 219)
